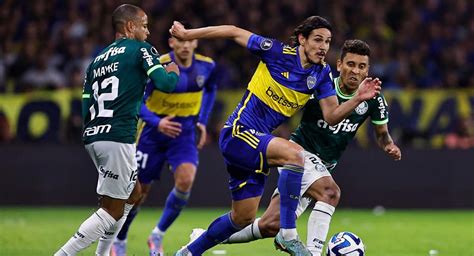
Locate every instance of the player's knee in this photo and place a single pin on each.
(242, 219)
(295, 155)
(269, 227)
(332, 194)
(184, 183)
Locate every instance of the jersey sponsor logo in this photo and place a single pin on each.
(289, 50)
(311, 82)
(107, 174)
(94, 130)
(362, 108)
(382, 107)
(343, 126)
(200, 79)
(111, 52)
(148, 58)
(266, 44)
(281, 99)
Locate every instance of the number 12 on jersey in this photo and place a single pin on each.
(107, 96)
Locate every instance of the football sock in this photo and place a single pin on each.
(122, 235)
(174, 204)
(106, 240)
(289, 185)
(89, 231)
(318, 226)
(219, 230)
(247, 234)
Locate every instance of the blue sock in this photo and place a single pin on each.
(122, 235)
(174, 204)
(219, 230)
(289, 185)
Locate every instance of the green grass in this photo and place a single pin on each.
(41, 231)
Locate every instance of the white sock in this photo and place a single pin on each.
(318, 227)
(249, 233)
(289, 233)
(89, 231)
(106, 241)
(158, 232)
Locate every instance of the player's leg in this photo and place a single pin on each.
(106, 241)
(116, 165)
(327, 194)
(290, 156)
(246, 186)
(150, 160)
(182, 156)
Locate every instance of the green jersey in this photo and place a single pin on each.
(113, 90)
(329, 142)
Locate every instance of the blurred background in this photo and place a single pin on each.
(423, 51)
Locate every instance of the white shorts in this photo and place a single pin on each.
(117, 167)
(314, 169)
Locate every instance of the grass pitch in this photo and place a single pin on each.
(41, 231)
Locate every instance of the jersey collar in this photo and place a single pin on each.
(339, 92)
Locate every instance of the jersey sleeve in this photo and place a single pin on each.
(325, 87)
(265, 48)
(208, 98)
(379, 111)
(162, 80)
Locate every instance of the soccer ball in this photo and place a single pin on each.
(345, 243)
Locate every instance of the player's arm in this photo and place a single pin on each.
(239, 35)
(334, 113)
(385, 142)
(210, 90)
(164, 78)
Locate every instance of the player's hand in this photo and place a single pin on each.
(177, 30)
(393, 151)
(169, 128)
(202, 135)
(172, 67)
(368, 89)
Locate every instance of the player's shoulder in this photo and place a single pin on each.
(203, 58)
(165, 58)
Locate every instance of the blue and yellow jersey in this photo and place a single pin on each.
(279, 87)
(192, 99)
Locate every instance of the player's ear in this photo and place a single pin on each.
(339, 65)
(301, 39)
(130, 26)
(171, 42)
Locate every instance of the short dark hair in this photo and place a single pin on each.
(355, 46)
(308, 25)
(123, 14)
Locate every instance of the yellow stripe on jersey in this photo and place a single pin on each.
(179, 104)
(165, 58)
(234, 126)
(265, 172)
(253, 142)
(289, 50)
(275, 95)
(140, 126)
(203, 58)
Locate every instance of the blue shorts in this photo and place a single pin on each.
(154, 148)
(244, 152)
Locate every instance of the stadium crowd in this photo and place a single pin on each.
(415, 44)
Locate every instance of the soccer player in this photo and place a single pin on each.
(284, 80)
(169, 134)
(113, 90)
(324, 145)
